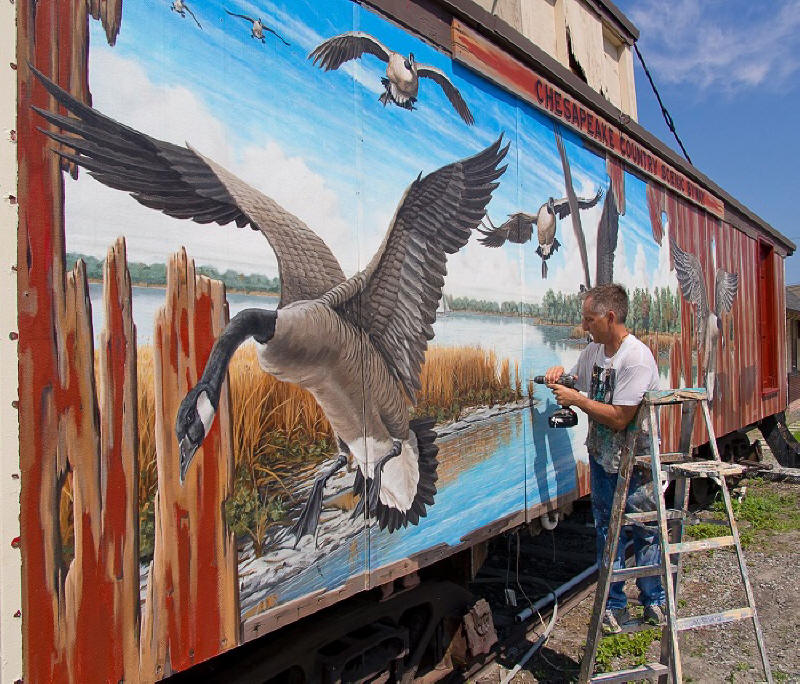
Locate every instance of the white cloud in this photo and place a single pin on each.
(96, 215)
(715, 45)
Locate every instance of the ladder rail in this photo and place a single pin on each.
(669, 633)
(748, 590)
(609, 554)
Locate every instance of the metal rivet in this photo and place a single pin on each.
(15, 404)
(12, 135)
(13, 336)
(18, 614)
(15, 543)
(12, 199)
(13, 65)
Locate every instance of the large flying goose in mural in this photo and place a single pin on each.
(357, 344)
(708, 324)
(402, 73)
(519, 226)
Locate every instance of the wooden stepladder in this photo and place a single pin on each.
(677, 467)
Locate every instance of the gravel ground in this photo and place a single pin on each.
(710, 583)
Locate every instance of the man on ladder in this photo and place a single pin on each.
(615, 370)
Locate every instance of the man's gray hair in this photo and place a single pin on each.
(610, 297)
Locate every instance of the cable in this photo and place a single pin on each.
(667, 118)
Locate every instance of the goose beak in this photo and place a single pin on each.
(188, 450)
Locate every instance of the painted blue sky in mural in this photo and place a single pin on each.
(322, 145)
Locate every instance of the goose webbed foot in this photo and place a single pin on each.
(374, 485)
(309, 516)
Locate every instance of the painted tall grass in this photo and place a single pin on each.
(281, 434)
(454, 378)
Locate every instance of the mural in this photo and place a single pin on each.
(303, 407)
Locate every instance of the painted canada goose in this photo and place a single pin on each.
(708, 326)
(357, 344)
(182, 8)
(519, 226)
(402, 73)
(258, 27)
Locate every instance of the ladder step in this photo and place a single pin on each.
(633, 675)
(637, 625)
(637, 571)
(668, 457)
(651, 516)
(675, 396)
(704, 469)
(702, 544)
(714, 618)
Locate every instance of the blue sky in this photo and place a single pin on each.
(323, 147)
(729, 73)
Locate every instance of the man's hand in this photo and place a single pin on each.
(553, 374)
(566, 396)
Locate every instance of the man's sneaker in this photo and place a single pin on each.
(653, 615)
(614, 619)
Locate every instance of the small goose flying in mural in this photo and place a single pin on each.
(402, 73)
(357, 344)
(708, 326)
(182, 8)
(258, 27)
(519, 226)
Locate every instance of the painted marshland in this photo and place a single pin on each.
(281, 435)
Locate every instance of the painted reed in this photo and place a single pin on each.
(454, 378)
(280, 433)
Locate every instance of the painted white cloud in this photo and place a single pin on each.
(714, 45)
(96, 215)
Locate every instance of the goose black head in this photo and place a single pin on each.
(409, 63)
(194, 419)
(551, 206)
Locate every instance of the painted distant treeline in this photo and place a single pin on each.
(652, 311)
(156, 274)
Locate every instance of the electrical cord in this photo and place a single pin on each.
(667, 117)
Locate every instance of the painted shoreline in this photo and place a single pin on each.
(260, 576)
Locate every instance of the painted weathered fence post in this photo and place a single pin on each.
(191, 612)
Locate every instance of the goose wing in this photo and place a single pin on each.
(453, 93)
(402, 285)
(241, 16)
(188, 9)
(183, 184)
(276, 34)
(518, 228)
(334, 52)
(725, 288)
(561, 206)
(693, 287)
(607, 234)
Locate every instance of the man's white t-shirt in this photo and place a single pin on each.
(621, 379)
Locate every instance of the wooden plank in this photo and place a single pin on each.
(194, 612)
(651, 670)
(720, 618)
(119, 460)
(637, 571)
(702, 544)
(675, 396)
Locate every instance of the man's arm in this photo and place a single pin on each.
(614, 416)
